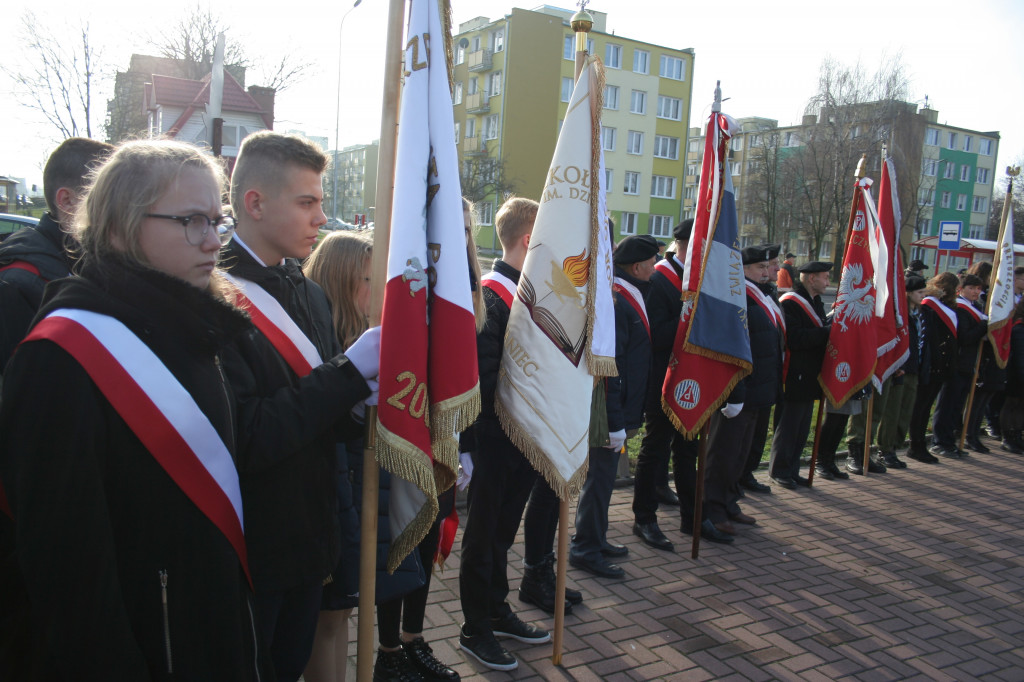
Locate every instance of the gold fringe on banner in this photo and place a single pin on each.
(445, 12)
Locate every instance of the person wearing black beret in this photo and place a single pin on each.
(806, 337)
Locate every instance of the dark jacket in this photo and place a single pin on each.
(1015, 366)
(628, 390)
(664, 306)
(21, 291)
(969, 333)
(763, 386)
(912, 365)
(806, 342)
(98, 518)
(288, 427)
(940, 347)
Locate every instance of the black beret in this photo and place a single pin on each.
(772, 249)
(635, 248)
(915, 283)
(917, 265)
(755, 254)
(790, 254)
(682, 231)
(815, 266)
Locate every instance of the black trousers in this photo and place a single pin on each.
(661, 441)
(949, 410)
(757, 443)
(926, 393)
(592, 511)
(790, 438)
(540, 524)
(501, 483)
(728, 446)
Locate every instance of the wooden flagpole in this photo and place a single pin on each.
(698, 489)
(394, 57)
(817, 442)
(581, 23)
(867, 434)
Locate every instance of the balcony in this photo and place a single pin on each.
(474, 146)
(478, 103)
(479, 60)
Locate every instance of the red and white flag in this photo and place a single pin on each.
(429, 385)
(1000, 296)
(852, 349)
(891, 303)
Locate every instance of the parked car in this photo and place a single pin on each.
(11, 223)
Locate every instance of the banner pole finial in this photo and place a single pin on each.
(717, 106)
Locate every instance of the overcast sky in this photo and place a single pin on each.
(766, 54)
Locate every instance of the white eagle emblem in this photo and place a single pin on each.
(854, 304)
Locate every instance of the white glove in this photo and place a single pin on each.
(374, 391)
(616, 439)
(730, 410)
(465, 470)
(364, 354)
(359, 409)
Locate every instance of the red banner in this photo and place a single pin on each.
(893, 325)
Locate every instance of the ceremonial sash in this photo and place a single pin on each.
(501, 285)
(964, 304)
(805, 304)
(277, 325)
(775, 314)
(634, 298)
(665, 267)
(21, 265)
(945, 314)
(158, 410)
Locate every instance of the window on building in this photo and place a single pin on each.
(666, 147)
(691, 169)
(485, 212)
(470, 128)
(457, 97)
(492, 127)
(457, 127)
(694, 145)
(965, 173)
(961, 202)
(671, 67)
(924, 226)
(930, 167)
(567, 84)
(663, 187)
(855, 132)
(982, 178)
(967, 143)
(631, 184)
(613, 56)
(476, 44)
(608, 176)
(925, 197)
(498, 41)
(635, 143)
(611, 97)
(660, 225)
(948, 170)
(690, 192)
(638, 102)
(946, 198)
(951, 141)
(608, 136)
(749, 218)
(569, 48)
(931, 136)
(641, 61)
(472, 86)
(627, 223)
(791, 139)
(494, 83)
(736, 168)
(670, 108)
(737, 143)
(460, 55)
(976, 232)
(755, 141)
(980, 204)
(985, 147)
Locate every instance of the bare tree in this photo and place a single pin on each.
(484, 177)
(56, 75)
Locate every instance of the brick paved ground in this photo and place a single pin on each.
(913, 574)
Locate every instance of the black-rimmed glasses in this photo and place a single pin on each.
(198, 225)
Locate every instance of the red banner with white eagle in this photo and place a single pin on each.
(891, 302)
(429, 385)
(853, 338)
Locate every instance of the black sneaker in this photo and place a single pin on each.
(892, 461)
(511, 626)
(485, 648)
(394, 666)
(426, 664)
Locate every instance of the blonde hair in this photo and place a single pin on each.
(515, 218)
(479, 307)
(337, 265)
(124, 189)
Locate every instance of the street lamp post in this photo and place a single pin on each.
(337, 117)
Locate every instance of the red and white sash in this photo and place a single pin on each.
(277, 325)
(158, 410)
(967, 306)
(803, 303)
(634, 298)
(501, 285)
(665, 267)
(773, 311)
(945, 314)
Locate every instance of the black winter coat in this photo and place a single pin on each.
(940, 347)
(628, 390)
(806, 342)
(21, 291)
(969, 333)
(98, 518)
(1015, 367)
(763, 386)
(288, 427)
(664, 306)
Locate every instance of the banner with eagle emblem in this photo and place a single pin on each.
(429, 385)
(891, 301)
(561, 328)
(852, 349)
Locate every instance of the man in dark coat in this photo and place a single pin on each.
(731, 429)
(806, 338)
(634, 264)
